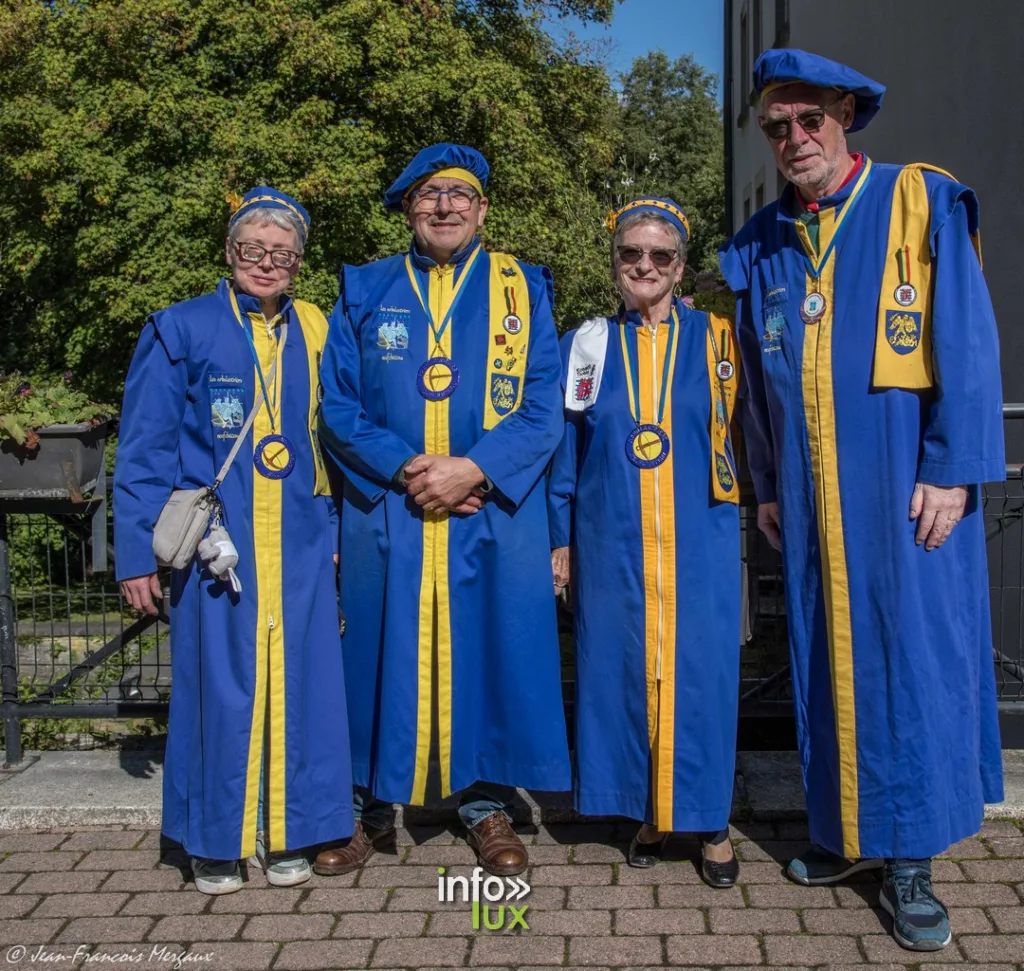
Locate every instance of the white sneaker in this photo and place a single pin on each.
(287, 869)
(216, 877)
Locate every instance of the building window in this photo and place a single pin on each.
(781, 23)
(758, 41)
(746, 203)
(745, 74)
(759, 197)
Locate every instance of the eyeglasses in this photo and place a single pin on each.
(661, 258)
(810, 120)
(459, 199)
(283, 259)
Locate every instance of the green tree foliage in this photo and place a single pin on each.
(125, 123)
(670, 144)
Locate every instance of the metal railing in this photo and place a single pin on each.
(70, 648)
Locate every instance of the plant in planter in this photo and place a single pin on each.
(51, 438)
(26, 406)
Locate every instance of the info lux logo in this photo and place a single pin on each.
(494, 915)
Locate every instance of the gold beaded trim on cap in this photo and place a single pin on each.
(613, 217)
(281, 202)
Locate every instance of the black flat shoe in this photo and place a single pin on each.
(645, 854)
(721, 876)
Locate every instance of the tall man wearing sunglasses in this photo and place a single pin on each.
(443, 406)
(872, 360)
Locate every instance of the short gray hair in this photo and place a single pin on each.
(264, 216)
(638, 219)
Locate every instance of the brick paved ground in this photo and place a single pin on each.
(109, 896)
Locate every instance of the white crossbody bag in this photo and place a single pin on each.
(186, 516)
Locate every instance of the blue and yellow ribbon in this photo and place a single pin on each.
(460, 289)
(633, 370)
(816, 261)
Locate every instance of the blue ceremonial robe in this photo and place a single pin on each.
(891, 645)
(453, 609)
(656, 589)
(256, 675)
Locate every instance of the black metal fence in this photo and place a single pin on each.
(70, 648)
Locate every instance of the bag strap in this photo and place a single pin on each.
(252, 414)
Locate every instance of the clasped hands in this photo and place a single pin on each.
(443, 483)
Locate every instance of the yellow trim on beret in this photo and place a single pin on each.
(279, 201)
(613, 217)
(450, 173)
(775, 85)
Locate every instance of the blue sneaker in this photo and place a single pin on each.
(920, 921)
(820, 866)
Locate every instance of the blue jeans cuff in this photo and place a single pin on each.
(485, 799)
(375, 813)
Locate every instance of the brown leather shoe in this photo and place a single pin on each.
(498, 849)
(363, 843)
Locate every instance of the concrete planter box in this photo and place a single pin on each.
(66, 465)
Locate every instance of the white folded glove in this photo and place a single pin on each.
(219, 555)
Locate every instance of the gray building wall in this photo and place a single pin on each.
(755, 181)
(955, 78)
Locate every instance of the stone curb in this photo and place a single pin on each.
(64, 790)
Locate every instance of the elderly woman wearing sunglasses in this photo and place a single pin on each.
(257, 760)
(645, 529)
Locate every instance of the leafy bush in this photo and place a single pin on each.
(45, 400)
(124, 123)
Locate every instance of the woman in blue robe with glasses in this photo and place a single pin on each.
(257, 762)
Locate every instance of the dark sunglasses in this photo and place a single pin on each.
(661, 258)
(810, 120)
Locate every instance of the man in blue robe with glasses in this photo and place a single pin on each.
(442, 405)
(872, 361)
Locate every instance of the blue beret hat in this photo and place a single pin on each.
(264, 197)
(782, 65)
(471, 166)
(666, 208)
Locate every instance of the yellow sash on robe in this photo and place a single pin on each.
(723, 403)
(903, 339)
(314, 333)
(508, 341)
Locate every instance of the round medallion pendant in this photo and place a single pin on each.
(274, 457)
(905, 294)
(812, 309)
(437, 378)
(647, 446)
